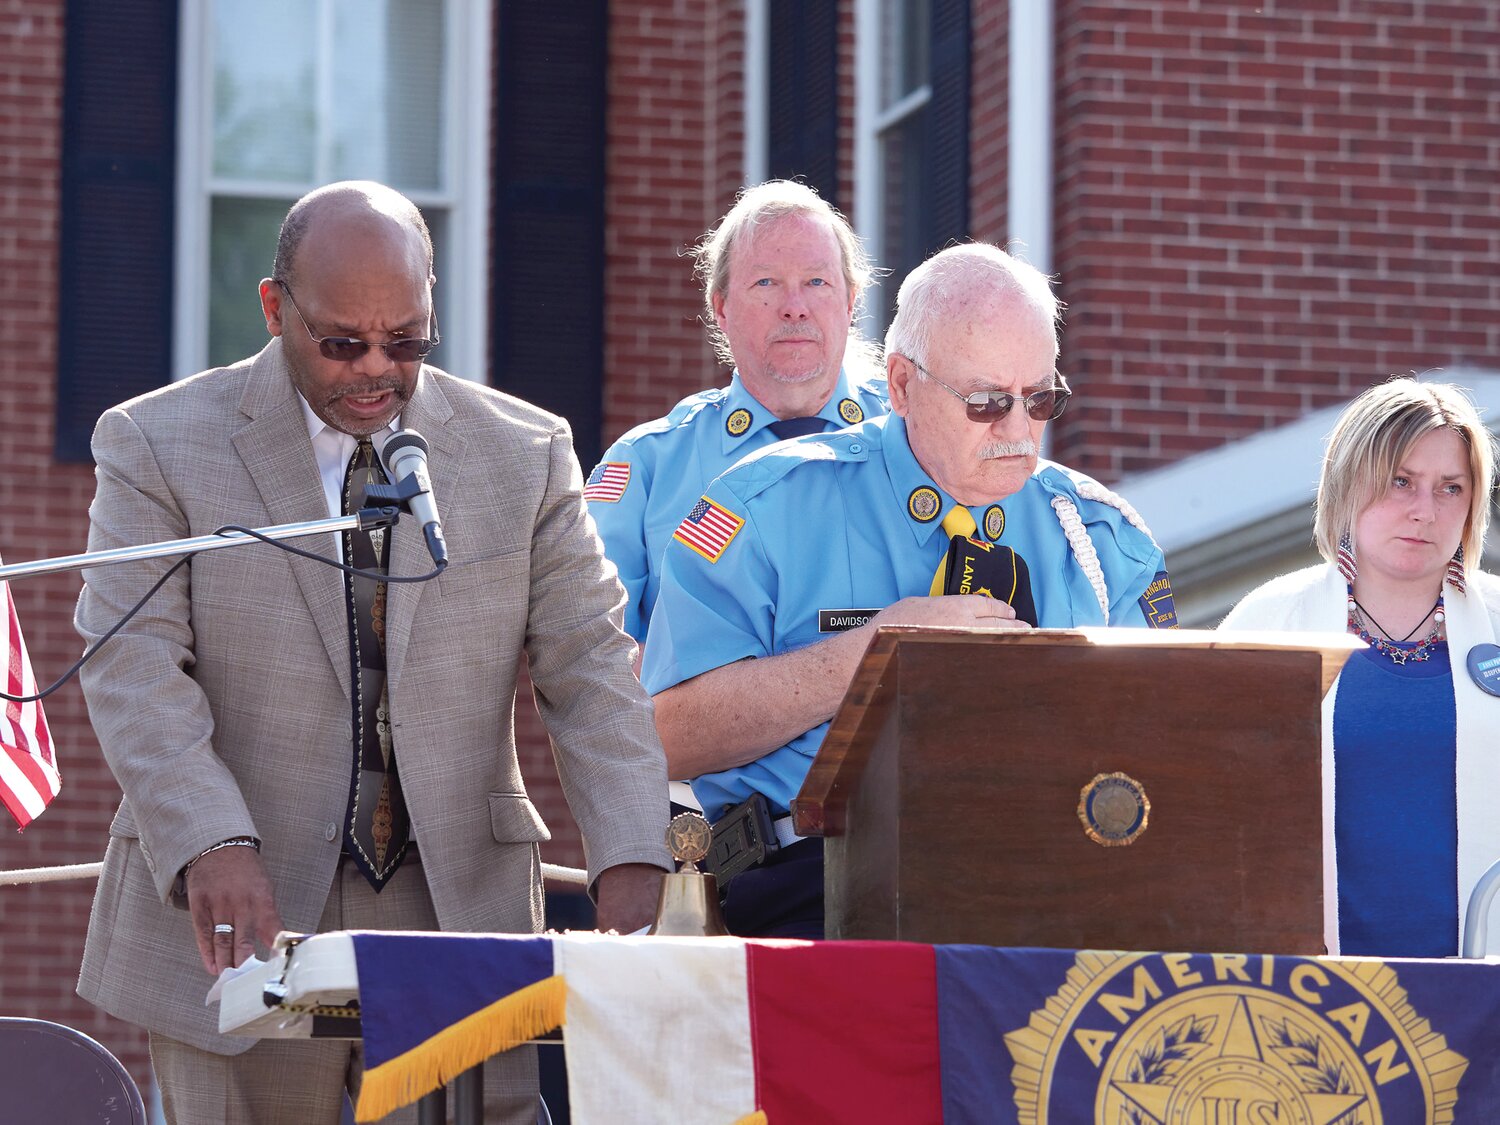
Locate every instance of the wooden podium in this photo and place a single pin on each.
(1091, 789)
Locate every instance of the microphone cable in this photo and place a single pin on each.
(179, 564)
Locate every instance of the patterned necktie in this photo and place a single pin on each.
(785, 428)
(956, 522)
(378, 830)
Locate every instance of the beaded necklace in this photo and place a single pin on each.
(1393, 650)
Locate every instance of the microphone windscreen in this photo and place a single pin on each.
(995, 571)
(402, 439)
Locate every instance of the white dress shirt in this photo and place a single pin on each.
(333, 448)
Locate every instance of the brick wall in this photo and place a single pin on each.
(672, 67)
(1262, 209)
(989, 121)
(846, 49)
(43, 512)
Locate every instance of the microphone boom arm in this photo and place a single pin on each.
(367, 518)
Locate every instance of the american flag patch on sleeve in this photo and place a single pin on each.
(607, 482)
(708, 529)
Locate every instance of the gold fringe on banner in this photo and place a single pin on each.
(534, 1010)
(756, 1118)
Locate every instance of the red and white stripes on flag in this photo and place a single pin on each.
(708, 529)
(28, 767)
(607, 483)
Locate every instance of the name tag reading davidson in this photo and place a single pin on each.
(842, 620)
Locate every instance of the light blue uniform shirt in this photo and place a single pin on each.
(849, 521)
(665, 465)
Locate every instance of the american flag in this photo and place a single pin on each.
(708, 529)
(28, 770)
(607, 482)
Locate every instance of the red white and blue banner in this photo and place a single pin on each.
(727, 1032)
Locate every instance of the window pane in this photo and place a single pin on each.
(387, 85)
(307, 92)
(904, 48)
(242, 248)
(902, 241)
(264, 125)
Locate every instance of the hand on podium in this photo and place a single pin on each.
(972, 611)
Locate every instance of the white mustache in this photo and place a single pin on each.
(997, 449)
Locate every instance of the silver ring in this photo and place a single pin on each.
(223, 928)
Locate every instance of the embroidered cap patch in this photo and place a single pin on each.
(1157, 604)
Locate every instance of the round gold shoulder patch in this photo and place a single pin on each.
(1114, 809)
(737, 422)
(994, 522)
(850, 411)
(923, 504)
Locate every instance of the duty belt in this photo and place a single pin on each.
(745, 836)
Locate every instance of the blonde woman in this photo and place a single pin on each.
(1411, 730)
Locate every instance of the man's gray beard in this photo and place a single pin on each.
(798, 380)
(997, 449)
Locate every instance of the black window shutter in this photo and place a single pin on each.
(547, 273)
(119, 149)
(804, 94)
(947, 216)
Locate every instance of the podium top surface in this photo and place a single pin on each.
(866, 698)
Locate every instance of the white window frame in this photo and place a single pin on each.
(757, 107)
(463, 301)
(871, 122)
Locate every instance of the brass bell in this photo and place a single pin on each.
(688, 905)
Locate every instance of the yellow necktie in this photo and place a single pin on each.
(956, 522)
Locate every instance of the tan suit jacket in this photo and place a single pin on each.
(223, 709)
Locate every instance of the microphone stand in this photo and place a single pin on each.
(364, 520)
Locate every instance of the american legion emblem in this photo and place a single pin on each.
(851, 412)
(1231, 1039)
(737, 422)
(924, 504)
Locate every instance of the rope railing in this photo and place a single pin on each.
(551, 872)
(50, 874)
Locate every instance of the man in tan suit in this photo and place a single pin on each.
(224, 709)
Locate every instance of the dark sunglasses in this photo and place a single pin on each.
(346, 349)
(991, 406)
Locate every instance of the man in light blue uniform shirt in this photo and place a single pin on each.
(782, 274)
(774, 582)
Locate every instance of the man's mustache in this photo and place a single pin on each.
(379, 386)
(997, 449)
(798, 332)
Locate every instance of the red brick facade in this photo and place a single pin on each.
(1263, 209)
(1257, 211)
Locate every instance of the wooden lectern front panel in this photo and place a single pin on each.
(966, 826)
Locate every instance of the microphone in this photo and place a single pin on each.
(405, 457)
(975, 567)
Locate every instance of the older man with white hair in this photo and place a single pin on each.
(938, 514)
